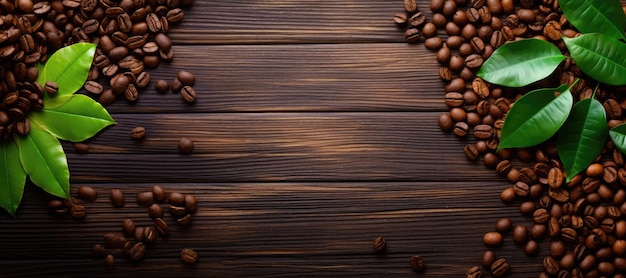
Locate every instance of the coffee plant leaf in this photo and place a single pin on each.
(600, 57)
(583, 136)
(13, 177)
(618, 136)
(68, 67)
(44, 161)
(535, 117)
(517, 64)
(77, 120)
(592, 16)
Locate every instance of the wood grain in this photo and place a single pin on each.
(287, 78)
(315, 131)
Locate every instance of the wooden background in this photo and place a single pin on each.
(315, 130)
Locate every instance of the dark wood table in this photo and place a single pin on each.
(315, 132)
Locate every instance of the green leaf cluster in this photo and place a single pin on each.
(67, 116)
(581, 129)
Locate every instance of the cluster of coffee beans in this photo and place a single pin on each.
(131, 36)
(581, 220)
(134, 241)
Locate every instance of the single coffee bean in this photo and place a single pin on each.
(541, 216)
(400, 19)
(483, 131)
(412, 35)
(500, 267)
(191, 203)
(145, 198)
(552, 30)
(188, 256)
(461, 129)
(178, 211)
(454, 42)
(159, 193)
(155, 211)
(154, 23)
(474, 272)
(454, 99)
(138, 133)
(161, 227)
(417, 20)
(185, 145)
(531, 248)
(185, 220)
(474, 61)
(417, 263)
(456, 63)
(109, 262)
(128, 227)
(443, 55)
(93, 87)
(429, 30)
(471, 152)
(149, 235)
(162, 86)
(78, 212)
(137, 251)
(520, 234)
(143, 79)
(51, 87)
(446, 123)
(87, 193)
(504, 167)
(504, 225)
(188, 94)
(434, 43)
(492, 239)
(550, 265)
(117, 197)
(379, 245)
(410, 6)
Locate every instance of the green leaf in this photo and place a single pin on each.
(536, 117)
(77, 120)
(44, 161)
(592, 16)
(68, 67)
(12, 177)
(618, 135)
(599, 56)
(583, 136)
(520, 63)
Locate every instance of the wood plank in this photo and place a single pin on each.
(336, 77)
(278, 230)
(278, 147)
(288, 21)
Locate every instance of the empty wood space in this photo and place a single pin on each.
(315, 131)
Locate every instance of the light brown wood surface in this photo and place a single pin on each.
(315, 132)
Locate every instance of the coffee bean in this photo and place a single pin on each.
(155, 211)
(500, 267)
(188, 256)
(185, 220)
(434, 43)
(78, 212)
(185, 145)
(128, 227)
(178, 211)
(541, 216)
(87, 193)
(138, 133)
(520, 234)
(449, 8)
(492, 239)
(145, 198)
(474, 61)
(417, 20)
(188, 94)
(162, 86)
(161, 227)
(446, 123)
(149, 235)
(109, 262)
(159, 193)
(412, 35)
(191, 203)
(417, 263)
(531, 248)
(51, 87)
(117, 197)
(550, 265)
(137, 251)
(400, 19)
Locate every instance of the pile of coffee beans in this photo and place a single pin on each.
(131, 36)
(133, 241)
(581, 221)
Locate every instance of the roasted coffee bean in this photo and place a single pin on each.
(117, 197)
(461, 129)
(520, 234)
(138, 133)
(552, 30)
(412, 35)
(400, 19)
(474, 61)
(159, 193)
(185, 145)
(128, 227)
(454, 42)
(480, 87)
(131, 94)
(145, 198)
(191, 203)
(137, 251)
(188, 94)
(188, 256)
(161, 227)
(417, 20)
(471, 153)
(541, 216)
(497, 39)
(178, 211)
(434, 43)
(454, 99)
(504, 225)
(162, 86)
(93, 87)
(446, 124)
(504, 167)
(483, 131)
(488, 258)
(87, 193)
(78, 212)
(500, 267)
(531, 248)
(474, 272)
(550, 265)
(149, 235)
(185, 220)
(417, 263)
(436, 6)
(443, 55)
(155, 211)
(492, 239)
(51, 87)
(410, 6)
(109, 262)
